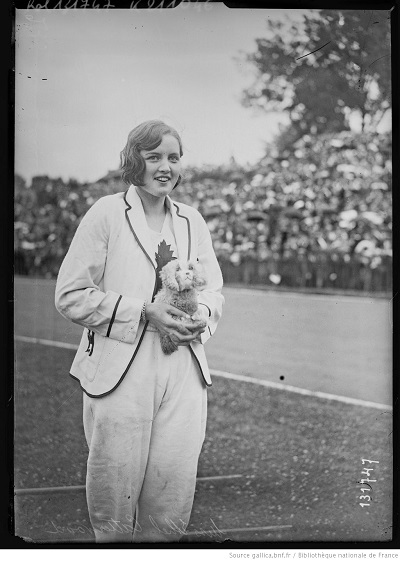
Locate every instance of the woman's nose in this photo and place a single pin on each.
(164, 165)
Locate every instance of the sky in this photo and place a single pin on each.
(85, 78)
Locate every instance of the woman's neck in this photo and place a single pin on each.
(153, 207)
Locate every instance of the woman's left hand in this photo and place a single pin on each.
(199, 322)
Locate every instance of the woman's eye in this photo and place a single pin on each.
(190, 267)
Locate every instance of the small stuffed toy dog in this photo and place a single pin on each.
(180, 279)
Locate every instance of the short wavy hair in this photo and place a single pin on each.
(146, 136)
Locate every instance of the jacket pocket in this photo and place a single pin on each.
(94, 353)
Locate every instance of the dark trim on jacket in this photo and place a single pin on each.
(146, 324)
(133, 231)
(188, 227)
(209, 311)
(123, 375)
(113, 316)
(130, 362)
(129, 365)
(198, 364)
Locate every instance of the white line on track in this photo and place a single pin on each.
(303, 295)
(79, 488)
(239, 378)
(47, 342)
(322, 395)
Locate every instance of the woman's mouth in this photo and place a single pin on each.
(163, 179)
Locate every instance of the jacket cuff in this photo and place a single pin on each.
(113, 316)
(209, 311)
(124, 322)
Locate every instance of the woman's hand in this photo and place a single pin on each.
(160, 315)
(199, 322)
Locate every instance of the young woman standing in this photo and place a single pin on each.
(144, 412)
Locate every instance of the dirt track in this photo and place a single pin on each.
(334, 344)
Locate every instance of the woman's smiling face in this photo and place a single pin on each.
(163, 166)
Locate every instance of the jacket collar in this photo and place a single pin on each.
(138, 224)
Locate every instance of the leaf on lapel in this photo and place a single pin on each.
(163, 255)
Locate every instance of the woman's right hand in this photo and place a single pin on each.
(160, 315)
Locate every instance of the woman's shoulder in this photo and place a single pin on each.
(108, 203)
(105, 210)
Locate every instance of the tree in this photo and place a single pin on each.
(335, 64)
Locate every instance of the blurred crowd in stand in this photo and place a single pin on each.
(329, 198)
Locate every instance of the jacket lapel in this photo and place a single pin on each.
(182, 229)
(138, 224)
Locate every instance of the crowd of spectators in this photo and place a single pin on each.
(330, 194)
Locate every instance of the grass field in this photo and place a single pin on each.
(299, 457)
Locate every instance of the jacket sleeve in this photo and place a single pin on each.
(78, 296)
(211, 296)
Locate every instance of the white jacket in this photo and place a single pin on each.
(107, 274)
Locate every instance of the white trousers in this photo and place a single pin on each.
(144, 442)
